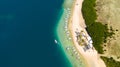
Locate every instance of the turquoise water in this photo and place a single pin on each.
(64, 39)
(59, 32)
(27, 34)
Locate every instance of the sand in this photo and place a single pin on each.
(77, 24)
(66, 44)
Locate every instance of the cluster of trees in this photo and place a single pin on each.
(89, 12)
(110, 62)
(97, 32)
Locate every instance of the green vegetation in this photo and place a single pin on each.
(110, 62)
(89, 13)
(80, 40)
(96, 30)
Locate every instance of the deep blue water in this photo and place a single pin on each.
(26, 33)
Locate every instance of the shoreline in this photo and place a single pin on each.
(78, 24)
(64, 38)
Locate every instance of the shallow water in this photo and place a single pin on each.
(63, 37)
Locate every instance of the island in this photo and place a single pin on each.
(85, 32)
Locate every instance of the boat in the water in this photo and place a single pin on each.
(56, 41)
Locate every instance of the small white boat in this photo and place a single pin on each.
(56, 41)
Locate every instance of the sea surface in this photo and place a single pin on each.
(27, 34)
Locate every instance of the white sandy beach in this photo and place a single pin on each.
(91, 56)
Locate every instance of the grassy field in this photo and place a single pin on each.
(108, 12)
(96, 30)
